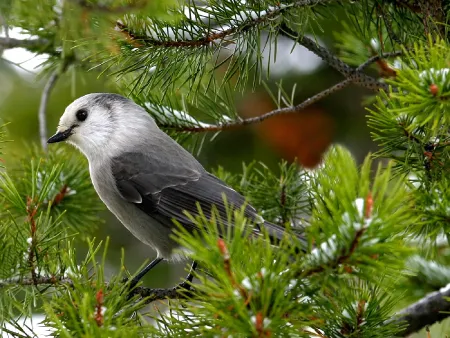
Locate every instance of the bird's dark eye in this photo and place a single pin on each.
(81, 115)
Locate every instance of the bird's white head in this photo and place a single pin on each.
(101, 123)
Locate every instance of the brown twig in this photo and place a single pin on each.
(98, 315)
(253, 120)
(227, 265)
(142, 40)
(31, 213)
(259, 326)
(368, 205)
(286, 110)
(380, 58)
(60, 195)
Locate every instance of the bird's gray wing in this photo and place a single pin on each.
(207, 192)
(166, 189)
(138, 174)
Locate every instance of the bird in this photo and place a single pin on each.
(144, 177)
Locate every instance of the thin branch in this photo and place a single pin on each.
(38, 281)
(333, 61)
(343, 257)
(150, 295)
(431, 309)
(322, 52)
(31, 213)
(18, 65)
(60, 196)
(388, 24)
(227, 266)
(376, 58)
(288, 110)
(33, 45)
(253, 120)
(42, 115)
(218, 35)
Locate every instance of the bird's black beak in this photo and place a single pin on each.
(60, 136)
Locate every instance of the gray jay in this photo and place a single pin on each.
(144, 177)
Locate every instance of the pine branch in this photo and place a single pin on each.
(431, 309)
(355, 75)
(342, 259)
(377, 58)
(38, 281)
(60, 196)
(34, 45)
(178, 292)
(150, 295)
(258, 119)
(218, 34)
(287, 110)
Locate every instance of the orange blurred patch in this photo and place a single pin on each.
(305, 135)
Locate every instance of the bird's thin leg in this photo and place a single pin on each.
(186, 284)
(144, 271)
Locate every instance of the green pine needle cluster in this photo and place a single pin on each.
(373, 234)
(282, 197)
(411, 124)
(252, 287)
(245, 285)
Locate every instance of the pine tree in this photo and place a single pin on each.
(375, 231)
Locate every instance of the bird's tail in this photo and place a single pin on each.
(277, 233)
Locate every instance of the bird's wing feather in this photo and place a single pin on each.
(165, 190)
(207, 191)
(139, 174)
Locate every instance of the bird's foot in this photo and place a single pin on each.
(187, 283)
(130, 289)
(139, 276)
(131, 284)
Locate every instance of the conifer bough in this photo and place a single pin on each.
(364, 225)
